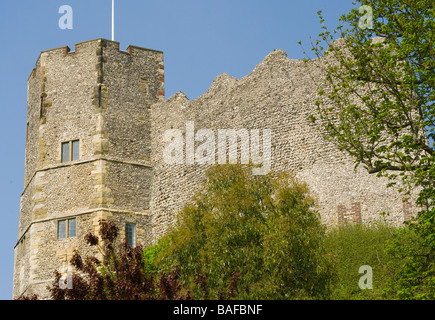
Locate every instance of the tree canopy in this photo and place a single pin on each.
(264, 229)
(376, 102)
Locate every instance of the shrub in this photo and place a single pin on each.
(353, 246)
(264, 229)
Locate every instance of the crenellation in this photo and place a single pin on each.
(277, 95)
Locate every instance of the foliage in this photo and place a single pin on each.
(245, 237)
(126, 274)
(263, 228)
(117, 276)
(415, 278)
(353, 246)
(377, 104)
(151, 253)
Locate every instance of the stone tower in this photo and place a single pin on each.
(88, 151)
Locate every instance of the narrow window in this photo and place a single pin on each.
(66, 228)
(130, 234)
(100, 97)
(61, 229)
(71, 228)
(144, 86)
(41, 108)
(65, 152)
(23, 246)
(75, 150)
(70, 151)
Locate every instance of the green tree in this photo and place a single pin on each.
(262, 230)
(376, 102)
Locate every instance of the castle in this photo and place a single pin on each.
(95, 150)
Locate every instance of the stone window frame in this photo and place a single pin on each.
(144, 86)
(41, 106)
(27, 131)
(131, 241)
(23, 246)
(100, 96)
(67, 228)
(70, 152)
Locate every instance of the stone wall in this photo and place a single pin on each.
(278, 95)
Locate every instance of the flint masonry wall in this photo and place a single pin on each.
(100, 96)
(278, 95)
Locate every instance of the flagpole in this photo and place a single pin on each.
(113, 20)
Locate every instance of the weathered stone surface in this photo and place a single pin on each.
(278, 95)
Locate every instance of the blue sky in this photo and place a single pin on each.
(200, 39)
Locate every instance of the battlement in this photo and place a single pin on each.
(92, 45)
